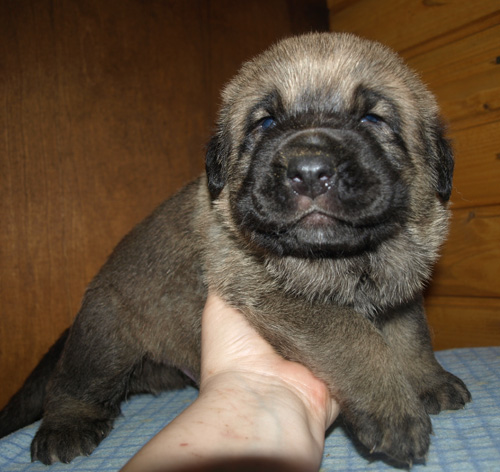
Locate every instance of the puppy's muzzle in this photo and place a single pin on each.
(323, 161)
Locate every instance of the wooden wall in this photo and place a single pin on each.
(455, 46)
(107, 106)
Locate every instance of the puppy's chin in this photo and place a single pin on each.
(319, 236)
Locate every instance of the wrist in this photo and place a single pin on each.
(265, 416)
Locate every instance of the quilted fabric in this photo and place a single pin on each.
(466, 440)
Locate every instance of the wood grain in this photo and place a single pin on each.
(469, 265)
(465, 76)
(477, 166)
(402, 25)
(107, 106)
(89, 146)
(463, 322)
(453, 45)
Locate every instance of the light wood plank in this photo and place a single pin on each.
(470, 262)
(463, 322)
(477, 166)
(471, 102)
(458, 60)
(465, 76)
(402, 24)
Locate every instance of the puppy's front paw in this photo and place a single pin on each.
(402, 435)
(64, 440)
(443, 391)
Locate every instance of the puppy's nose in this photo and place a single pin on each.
(310, 175)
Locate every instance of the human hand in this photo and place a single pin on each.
(232, 351)
(255, 411)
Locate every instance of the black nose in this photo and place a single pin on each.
(310, 175)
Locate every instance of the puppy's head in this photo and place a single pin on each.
(329, 147)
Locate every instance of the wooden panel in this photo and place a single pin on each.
(459, 60)
(89, 146)
(402, 24)
(107, 109)
(453, 45)
(470, 262)
(472, 102)
(465, 76)
(464, 322)
(252, 27)
(477, 174)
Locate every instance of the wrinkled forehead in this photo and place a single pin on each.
(310, 83)
(323, 75)
(324, 78)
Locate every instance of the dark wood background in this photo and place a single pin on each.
(106, 109)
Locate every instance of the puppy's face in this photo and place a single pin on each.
(329, 147)
(322, 180)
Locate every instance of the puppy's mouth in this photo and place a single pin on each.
(320, 214)
(317, 233)
(315, 223)
(316, 219)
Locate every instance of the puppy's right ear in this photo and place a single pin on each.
(215, 164)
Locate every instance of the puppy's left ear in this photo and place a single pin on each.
(444, 163)
(215, 164)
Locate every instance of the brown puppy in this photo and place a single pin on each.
(322, 212)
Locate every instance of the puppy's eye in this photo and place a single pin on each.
(267, 123)
(371, 118)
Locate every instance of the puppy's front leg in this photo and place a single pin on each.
(405, 329)
(350, 354)
(89, 382)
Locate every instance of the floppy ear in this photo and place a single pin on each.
(444, 164)
(215, 164)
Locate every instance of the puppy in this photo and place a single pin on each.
(320, 216)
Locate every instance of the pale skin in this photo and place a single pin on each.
(255, 410)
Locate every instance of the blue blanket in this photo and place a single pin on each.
(466, 440)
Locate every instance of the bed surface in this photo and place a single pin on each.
(465, 440)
